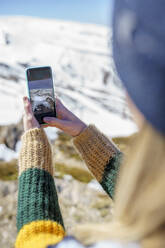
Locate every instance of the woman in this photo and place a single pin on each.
(139, 218)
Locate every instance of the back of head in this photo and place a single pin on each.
(139, 54)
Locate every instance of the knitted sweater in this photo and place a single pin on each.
(39, 220)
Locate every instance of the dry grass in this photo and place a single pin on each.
(79, 174)
(124, 142)
(8, 170)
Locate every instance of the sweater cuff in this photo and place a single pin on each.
(96, 150)
(35, 151)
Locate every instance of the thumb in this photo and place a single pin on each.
(55, 122)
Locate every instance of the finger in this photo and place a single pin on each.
(62, 111)
(52, 121)
(58, 102)
(44, 126)
(30, 106)
(27, 106)
(24, 98)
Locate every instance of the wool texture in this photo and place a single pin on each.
(39, 219)
(35, 152)
(39, 234)
(38, 198)
(101, 156)
(110, 174)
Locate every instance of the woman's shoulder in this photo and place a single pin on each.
(71, 242)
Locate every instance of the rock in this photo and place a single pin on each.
(78, 204)
(8, 199)
(10, 135)
(5, 191)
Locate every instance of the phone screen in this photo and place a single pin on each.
(41, 92)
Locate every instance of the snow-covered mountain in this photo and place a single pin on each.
(81, 58)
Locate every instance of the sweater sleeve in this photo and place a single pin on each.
(39, 219)
(101, 156)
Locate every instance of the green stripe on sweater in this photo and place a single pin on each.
(37, 199)
(110, 174)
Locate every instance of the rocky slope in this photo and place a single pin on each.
(80, 203)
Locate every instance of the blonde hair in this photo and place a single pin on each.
(140, 196)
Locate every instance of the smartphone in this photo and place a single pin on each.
(41, 92)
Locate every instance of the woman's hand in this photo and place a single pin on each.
(29, 121)
(66, 120)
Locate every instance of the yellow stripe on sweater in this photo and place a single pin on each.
(39, 234)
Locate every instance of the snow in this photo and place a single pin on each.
(38, 100)
(94, 184)
(7, 154)
(80, 58)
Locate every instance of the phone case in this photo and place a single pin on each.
(27, 86)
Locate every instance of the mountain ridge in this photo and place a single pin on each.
(84, 73)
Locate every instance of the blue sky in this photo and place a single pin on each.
(89, 11)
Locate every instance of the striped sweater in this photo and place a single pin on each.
(39, 219)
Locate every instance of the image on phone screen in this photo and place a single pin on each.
(40, 84)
